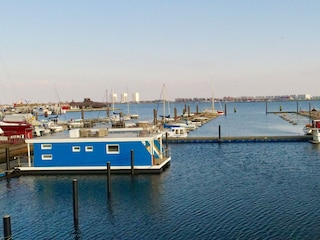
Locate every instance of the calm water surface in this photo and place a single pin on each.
(210, 191)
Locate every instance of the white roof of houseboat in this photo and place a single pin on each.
(97, 135)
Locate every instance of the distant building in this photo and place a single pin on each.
(135, 97)
(303, 96)
(124, 97)
(114, 97)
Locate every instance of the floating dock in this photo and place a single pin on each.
(240, 139)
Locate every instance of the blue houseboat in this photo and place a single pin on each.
(89, 151)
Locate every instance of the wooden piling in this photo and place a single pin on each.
(266, 107)
(309, 110)
(75, 202)
(132, 162)
(155, 121)
(219, 132)
(82, 113)
(166, 140)
(7, 227)
(108, 178)
(175, 114)
(7, 159)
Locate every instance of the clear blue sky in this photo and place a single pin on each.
(72, 49)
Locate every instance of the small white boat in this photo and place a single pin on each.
(76, 123)
(40, 131)
(54, 127)
(212, 110)
(315, 135)
(309, 128)
(42, 111)
(176, 132)
(189, 126)
(134, 116)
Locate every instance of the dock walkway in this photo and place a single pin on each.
(241, 139)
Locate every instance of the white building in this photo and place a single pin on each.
(304, 96)
(135, 97)
(124, 97)
(114, 97)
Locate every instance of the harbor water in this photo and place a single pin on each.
(210, 191)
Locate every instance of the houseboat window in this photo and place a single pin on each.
(89, 148)
(46, 146)
(46, 157)
(113, 149)
(76, 149)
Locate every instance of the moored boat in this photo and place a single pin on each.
(315, 136)
(309, 128)
(16, 130)
(40, 111)
(176, 132)
(89, 150)
(188, 126)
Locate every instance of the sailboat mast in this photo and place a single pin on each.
(212, 97)
(164, 104)
(106, 95)
(128, 103)
(112, 98)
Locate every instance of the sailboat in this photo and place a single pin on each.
(130, 115)
(165, 117)
(212, 110)
(171, 130)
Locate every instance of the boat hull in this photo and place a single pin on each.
(94, 169)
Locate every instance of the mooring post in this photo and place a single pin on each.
(219, 132)
(310, 110)
(7, 160)
(197, 109)
(82, 113)
(175, 114)
(75, 202)
(266, 107)
(225, 109)
(7, 227)
(108, 178)
(166, 140)
(155, 122)
(132, 162)
(297, 107)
